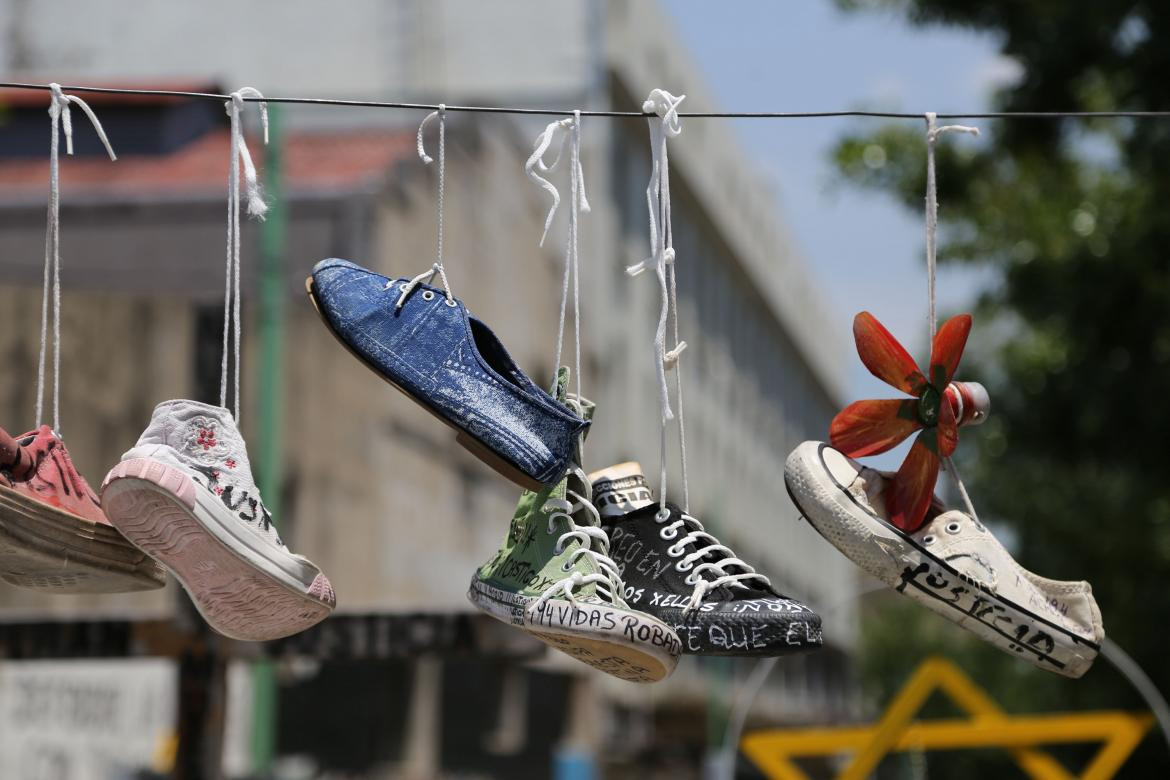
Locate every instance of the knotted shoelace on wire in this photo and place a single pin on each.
(559, 134)
(428, 275)
(61, 119)
(664, 125)
(256, 208)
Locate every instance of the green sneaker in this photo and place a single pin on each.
(553, 578)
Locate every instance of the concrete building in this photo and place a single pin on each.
(372, 490)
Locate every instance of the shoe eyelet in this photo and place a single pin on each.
(402, 286)
(668, 533)
(662, 515)
(567, 566)
(954, 527)
(428, 295)
(680, 567)
(673, 551)
(928, 540)
(451, 302)
(691, 580)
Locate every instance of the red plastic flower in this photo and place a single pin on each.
(938, 408)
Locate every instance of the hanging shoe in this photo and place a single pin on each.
(553, 578)
(952, 564)
(53, 534)
(681, 574)
(185, 496)
(433, 350)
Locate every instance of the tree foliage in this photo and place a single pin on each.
(1074, 216)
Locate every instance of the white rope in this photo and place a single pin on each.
(256, 208)
(932, 134)
(558, 134)
(665, 124)
(437, 268)
(61, 119)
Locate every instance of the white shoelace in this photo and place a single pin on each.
(59, 113)
(720, 576)
(560, 133)
(663, 126)
(428, 275)
(256, 208)
(594, 546)
(933, 131)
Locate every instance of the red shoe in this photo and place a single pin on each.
(53, 533)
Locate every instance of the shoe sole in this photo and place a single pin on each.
(242, 592)
(896, 559)
(496, 462)
(48, 549)
(627, 660)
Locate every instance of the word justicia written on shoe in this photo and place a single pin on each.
(633, 627)
(247, 507)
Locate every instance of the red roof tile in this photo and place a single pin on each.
(312, 161)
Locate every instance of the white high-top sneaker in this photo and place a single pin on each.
(952, 564)
(185, 496)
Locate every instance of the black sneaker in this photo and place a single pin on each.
(679, 573)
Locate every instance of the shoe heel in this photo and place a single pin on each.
(498, 464)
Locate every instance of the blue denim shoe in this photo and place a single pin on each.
(426, 344)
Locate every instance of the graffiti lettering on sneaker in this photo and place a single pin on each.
(613, 664)
(523, 573)
(627, 550)
(253, 510)
(635, 629)
(567, 615)
(740, 637)
(1019, 629)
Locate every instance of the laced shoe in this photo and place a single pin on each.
(951, 565)
(553, 578)
(677, 571)
(425, 343)
(185, 495)
(53, 534)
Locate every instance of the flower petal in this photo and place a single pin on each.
(884, 356)
(947, 349)
(948, 429)
(912, 488)
(871, 427)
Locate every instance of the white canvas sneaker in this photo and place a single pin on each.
(952, 564)
(185, 496)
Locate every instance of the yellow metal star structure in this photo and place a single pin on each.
(773, 751)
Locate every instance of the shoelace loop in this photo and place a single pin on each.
(256, 208)
(933, 133)
(718, 569)
(437, 267)
(665, 124)
(593, 545)
(561, 133)
(61, 120)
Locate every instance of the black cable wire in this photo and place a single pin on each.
(615, 114)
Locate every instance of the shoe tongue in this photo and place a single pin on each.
(621, 489)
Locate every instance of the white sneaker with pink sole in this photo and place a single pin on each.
(185, 496)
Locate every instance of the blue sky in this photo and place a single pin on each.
(865, 251)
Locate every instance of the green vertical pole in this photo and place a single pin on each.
(271, 406)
